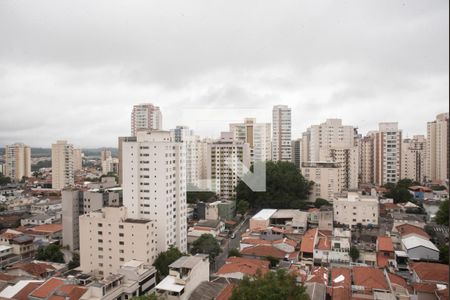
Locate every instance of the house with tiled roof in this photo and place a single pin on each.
(367, 280)
(426, 272)
(31, 269)
(341, 282)
(264, 251)
(57, 289)
(332, 247)
(407, 230)
(238, 267)
(385, 251)
(307, 246)
(419, 248)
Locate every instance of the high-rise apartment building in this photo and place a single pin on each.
(366, 154)
(145, 117)
(77, 159)
(437, 163)
(180, 133)
(347, 160)
(296, 152)
(154, 185)
(62, 165)
(414, 158)
(329, 134)
(325, 176)
(257, 135)
(17, 161)
(227, 161)
(281, 133)
(110, 237)
(387, 153)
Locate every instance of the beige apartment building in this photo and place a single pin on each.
(17, 161)
(109, 238)
(437, 163)
(77, 159)
(257, 135)
(366, 155)
(227, 162)
(347, 159)
(325, 176)
(414, 158)
(281, 133)
(145, 117)
(62, 165)
(356, 208)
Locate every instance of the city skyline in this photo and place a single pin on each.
(66, 76)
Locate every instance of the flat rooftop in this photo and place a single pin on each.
(264, 214)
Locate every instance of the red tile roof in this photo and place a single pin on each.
(286, 241)
(406, 229)
(74, 292)
(385, 244)
(48, 228)
(307, 244)
(432, 272)
(25, 291)
(324, 244)
(370, 278)
(429, 288)
(442, 294)
(47, 288)
(390, 206)
(7, 277)
(264, 251)
(319, 275)
(395, 279)
(255, 241)
(247, 266)
(35, 269)
(382, 261)
(341, 282)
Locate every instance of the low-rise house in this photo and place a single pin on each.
(238, 267)
(264, 251)
(6, 255)
(385, 251)
(290, 219)
(32, 269)
(185, 275)
(48, 232)
(367, 281)
(22, 244)
(341, 283)
(418, 248)
(356, 209)
(313, 217)
(20, 290)
(262, 219)
(425, 272)
(217, 290)
(39, 219)
(316, 283)
(307, 246)
(399, 286)
(407, 230)
(57, 288)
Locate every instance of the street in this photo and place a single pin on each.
(231, 243)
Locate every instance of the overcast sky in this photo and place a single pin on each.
(73, 70)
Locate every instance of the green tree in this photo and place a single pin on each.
(75, 262)
(147, 297)
(50, 253)
(164, 259)
(273, 261)
(242, 207)
(443, 254)
(206, 244)
(399, 192)
(4, 180)
(234, 252)
(320, 202)
(285, 188)
(354, 253)
(442, 214)
(277, 285)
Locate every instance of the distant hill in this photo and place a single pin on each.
(47, 152)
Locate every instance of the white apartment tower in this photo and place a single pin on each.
(257, 135)
(154, 185)
(145, 117)
(17, 161)
(414, 158)
(437, 165)
(62, 165)
(347, 160)
(227, 159)
(329, 134)
(281, 133)
(387, 153)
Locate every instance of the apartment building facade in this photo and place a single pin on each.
(414, 158)
(62, 165)
(17, 161)
(437, 148)
(281, 133)
(145, 117)
(257, 135)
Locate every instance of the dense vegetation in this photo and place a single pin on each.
(277, 285)
(4, 180)
(50, 253)
(164, 259)
(399, 192)
(203, 196)
(41, 164)
(206, 244)
(285, 188)
(442, 214)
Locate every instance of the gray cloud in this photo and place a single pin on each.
(73, 70)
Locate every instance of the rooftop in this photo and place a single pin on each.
(188, 262)
(264, 214)
(431, 271)
(369, 278)
(406, 229)
(415, 241)
(385, 244)
(168, 284)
